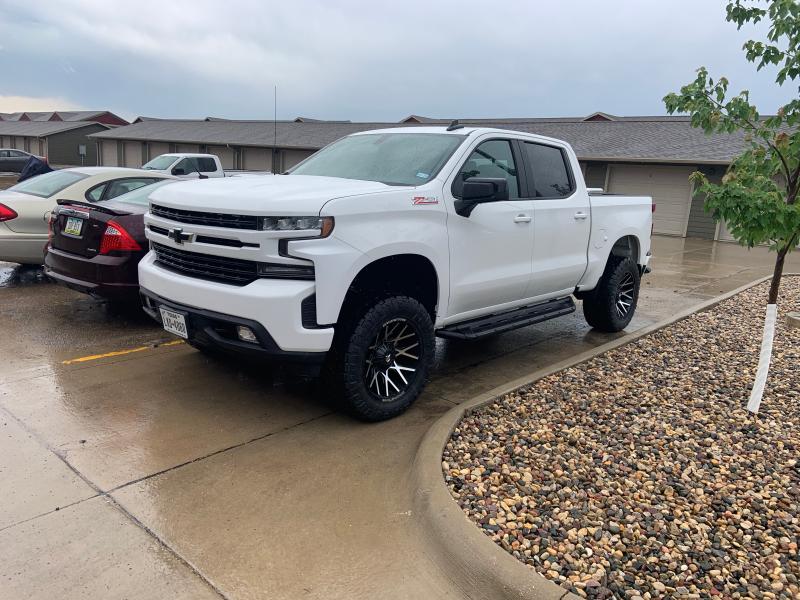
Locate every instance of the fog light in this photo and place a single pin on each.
(246, 334)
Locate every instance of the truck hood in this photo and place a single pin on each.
(269, 195)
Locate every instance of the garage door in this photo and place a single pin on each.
(257, 159)
(158, 148)
(669, 187)
(133, 154)
(191, 148)
(293, 157)
(225, 155)
(109, 153)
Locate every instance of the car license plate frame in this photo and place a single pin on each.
(174, 322)
(73, 227)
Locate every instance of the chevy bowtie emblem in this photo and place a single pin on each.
(178, 235)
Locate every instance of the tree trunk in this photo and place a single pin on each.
(777, 274)
(770, 318)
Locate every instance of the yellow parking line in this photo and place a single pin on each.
(119, 352)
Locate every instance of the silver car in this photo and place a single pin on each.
(25, 208)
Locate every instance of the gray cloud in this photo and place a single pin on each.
(368, 60)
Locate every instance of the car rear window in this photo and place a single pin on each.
(48, 184)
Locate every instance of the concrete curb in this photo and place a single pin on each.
(481, 568)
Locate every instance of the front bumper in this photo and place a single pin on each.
(270, 307)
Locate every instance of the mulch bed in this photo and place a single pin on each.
(640, 474)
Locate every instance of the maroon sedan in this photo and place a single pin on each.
(96, 248)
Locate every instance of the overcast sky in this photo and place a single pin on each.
(346, 59)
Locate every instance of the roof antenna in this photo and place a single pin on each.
(454, 124)
(275, 156)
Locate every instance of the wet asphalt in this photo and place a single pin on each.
(131, 465)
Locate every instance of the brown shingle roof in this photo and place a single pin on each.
(41, 128)
(659, 138)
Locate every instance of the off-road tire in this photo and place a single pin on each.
(349, 365)
(619, 285)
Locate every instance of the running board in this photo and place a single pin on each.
(506, 321)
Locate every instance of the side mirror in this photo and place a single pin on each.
(478, 190)
(178, 171)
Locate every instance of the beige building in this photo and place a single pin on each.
(626, 155)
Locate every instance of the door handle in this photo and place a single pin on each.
(580, 215)
(522, 219)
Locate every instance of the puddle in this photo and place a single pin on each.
(12, 274)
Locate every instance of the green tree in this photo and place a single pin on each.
(758, 194)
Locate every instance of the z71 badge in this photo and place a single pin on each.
(418, 200)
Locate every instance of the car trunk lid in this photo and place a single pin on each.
(78, 227)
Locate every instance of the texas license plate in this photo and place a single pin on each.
(174, 322)
(73, 226)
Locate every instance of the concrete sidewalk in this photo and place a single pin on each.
(160, 473)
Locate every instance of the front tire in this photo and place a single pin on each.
(610, 306)
(386, 358)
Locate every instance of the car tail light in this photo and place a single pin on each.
(6, 214)
(117, 238)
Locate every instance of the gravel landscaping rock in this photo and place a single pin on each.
(640, 474)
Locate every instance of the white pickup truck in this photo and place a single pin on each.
(194, 166)
(367, 250)
(186, 165)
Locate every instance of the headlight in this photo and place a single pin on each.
(323, 225)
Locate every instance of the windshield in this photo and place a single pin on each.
(141, 195)
(159, 163)
(390, 158)
(48, 184)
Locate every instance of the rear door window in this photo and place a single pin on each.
(206, 165)
(96, 193)
(549, 171)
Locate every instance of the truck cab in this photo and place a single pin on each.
(363, 253)
(187, 166)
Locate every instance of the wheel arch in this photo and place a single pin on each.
(407, 273)
(626, 246)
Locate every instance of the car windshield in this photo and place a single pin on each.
(48, 184)
(390, 158)
(141, 195)
(159, 163)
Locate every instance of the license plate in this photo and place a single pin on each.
(174, 322)
(73, 226)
